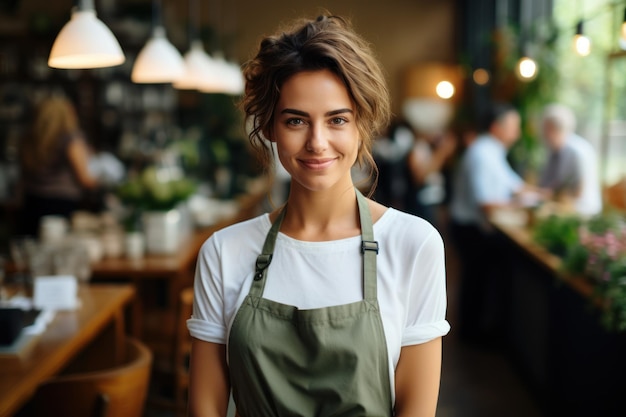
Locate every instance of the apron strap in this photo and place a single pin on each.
(369, 249)
(265, 258)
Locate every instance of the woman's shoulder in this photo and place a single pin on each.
(407, 230)
(252, 229)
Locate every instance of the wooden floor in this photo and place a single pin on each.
(477, 382)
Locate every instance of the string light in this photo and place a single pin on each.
(481, 76)
(445, 89)
(526, 69)
(582, 44)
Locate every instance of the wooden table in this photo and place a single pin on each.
(96, 328)
(159, 280)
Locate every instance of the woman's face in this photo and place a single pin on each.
(315, 131)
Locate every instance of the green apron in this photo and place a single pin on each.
(328, 361)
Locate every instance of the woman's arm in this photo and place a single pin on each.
(417, 379)
(78, 155)
(209, 385)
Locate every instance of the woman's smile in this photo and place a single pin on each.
(317, 163)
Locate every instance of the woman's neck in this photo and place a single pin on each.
(321, 215)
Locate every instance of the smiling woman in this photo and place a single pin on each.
(315, 131)
(332, 304)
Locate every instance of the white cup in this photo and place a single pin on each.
(52, 229)
(135, 245)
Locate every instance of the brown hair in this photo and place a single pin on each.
(55, 118)
(328, 42)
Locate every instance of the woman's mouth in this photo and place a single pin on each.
(317, 164)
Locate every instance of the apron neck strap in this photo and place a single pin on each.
(369, 249)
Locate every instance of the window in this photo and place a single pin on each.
(594, 86)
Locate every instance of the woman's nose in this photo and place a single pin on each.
(317, 141)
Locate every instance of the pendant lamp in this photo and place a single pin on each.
(217, 81)
(226, 79)
(199, 68)
(159, 61)
(85, 42)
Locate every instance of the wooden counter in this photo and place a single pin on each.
(554, 335)
(99, 318)
(521, 235)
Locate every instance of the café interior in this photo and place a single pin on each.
(94, 305)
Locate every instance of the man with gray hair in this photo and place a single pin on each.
(571, 169)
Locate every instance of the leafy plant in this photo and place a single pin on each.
(152, 191)
(595, 248)
(557, 233)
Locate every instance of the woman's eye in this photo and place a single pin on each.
(295, 122)
(338, 121)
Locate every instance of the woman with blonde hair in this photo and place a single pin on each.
(333, 304)
(54, 164)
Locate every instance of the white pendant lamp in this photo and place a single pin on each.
(85, 42)
(159, 61)
(215, 81)
(237, 82)
(226, 77)
(199, 68)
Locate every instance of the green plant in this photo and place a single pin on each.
(152, 191)
(595, 248)
(557, 234)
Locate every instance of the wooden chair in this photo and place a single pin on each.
(117, 392)
(182, 349)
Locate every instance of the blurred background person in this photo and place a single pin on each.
(571, 169)
(54, 165)
(484, 181)
(426, 163)
(390, 153)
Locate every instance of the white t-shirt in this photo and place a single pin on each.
(484, 176)
(410, 271)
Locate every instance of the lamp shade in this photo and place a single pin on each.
(85, 42)
(199, 68)
(159, 61)
(428, 115)
(236, 82)
(226, 78)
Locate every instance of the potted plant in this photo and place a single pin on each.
(155, 198)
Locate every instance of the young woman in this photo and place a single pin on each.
(332, 305)
(54, 164)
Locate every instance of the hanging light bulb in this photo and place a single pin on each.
(85, 42)
(582, 44)
(445, 89)
(158, 61)
(481, 76)
(526, 69)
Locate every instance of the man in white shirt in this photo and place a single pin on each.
(571, 170)
(484, 182)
